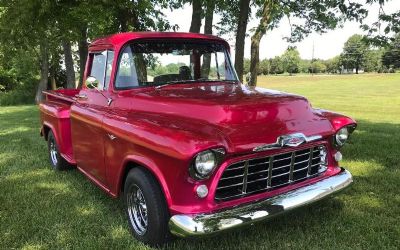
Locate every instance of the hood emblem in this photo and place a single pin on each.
(292, 140)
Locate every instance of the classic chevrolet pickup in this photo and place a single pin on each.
(163, 121)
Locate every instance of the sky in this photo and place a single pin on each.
(326, 45)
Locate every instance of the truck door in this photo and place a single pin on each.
(87, 115)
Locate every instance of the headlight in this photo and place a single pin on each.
(341, 136)
(204, 163)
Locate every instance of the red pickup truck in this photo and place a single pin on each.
(163, 121)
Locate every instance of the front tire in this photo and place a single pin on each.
(146, 208)
(57, 162)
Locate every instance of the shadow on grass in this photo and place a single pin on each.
(43, 208)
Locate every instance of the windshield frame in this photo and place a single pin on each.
(180, 40)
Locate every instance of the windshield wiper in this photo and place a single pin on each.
(230, 81)
(172, 83)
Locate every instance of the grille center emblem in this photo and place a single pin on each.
(291, 140)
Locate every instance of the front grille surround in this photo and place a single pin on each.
(256, 175)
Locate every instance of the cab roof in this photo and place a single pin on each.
(119, 39)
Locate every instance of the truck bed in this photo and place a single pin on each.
(55, 116)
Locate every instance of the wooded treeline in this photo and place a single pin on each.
(358, 55)
(44, 43)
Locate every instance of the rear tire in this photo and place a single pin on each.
(146, 208)
(56, 160)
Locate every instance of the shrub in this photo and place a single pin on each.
(7, 81)
(22, 94)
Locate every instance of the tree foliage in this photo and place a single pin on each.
(46, 42)
(391, 57)
(385, 28)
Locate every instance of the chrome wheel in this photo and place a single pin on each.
(137, 210)
(53, 152)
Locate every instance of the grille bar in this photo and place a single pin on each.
(261, 174)
(270, 166)
(310, 162)
(292, 162)
(246, 172)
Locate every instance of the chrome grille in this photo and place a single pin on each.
(261, 174)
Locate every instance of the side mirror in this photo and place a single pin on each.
(92, 82)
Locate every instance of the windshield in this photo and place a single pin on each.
(153, 63)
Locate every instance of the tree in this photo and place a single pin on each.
(208, 25)
(264, 67)
(234, 19)
(276, 65)
(305, 17)
(373, 60)
(60, 25)
(246, 65)
(34, 15)
(391, 57)
(291, 60)
(196, 16)
(333, 65)
(317, 66)
(261, 29)
(243, 18)
(354, 50)
(304, 65)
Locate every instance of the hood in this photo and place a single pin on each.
(247, 117)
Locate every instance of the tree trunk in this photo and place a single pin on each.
(241, 36)
(52, 76)
(208, 24)
(69, 64)
(196, 16)
(44, 71)
(256, 39)
(83, 53)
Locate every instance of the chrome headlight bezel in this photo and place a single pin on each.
(198, 169)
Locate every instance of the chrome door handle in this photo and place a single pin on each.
(81, 96)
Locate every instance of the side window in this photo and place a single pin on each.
(98, 67)
(126, 75)
(110, 59)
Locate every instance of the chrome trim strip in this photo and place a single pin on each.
(204, 224)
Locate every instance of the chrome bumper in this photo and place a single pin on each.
(204, 224)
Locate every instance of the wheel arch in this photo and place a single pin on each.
(131, 163)
(46, 130)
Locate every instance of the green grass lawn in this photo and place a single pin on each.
(43, 209)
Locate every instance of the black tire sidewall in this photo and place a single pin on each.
(157, 232)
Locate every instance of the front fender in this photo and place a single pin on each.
(337, 120)
(150, 166)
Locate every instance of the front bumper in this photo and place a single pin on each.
(205, 224)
